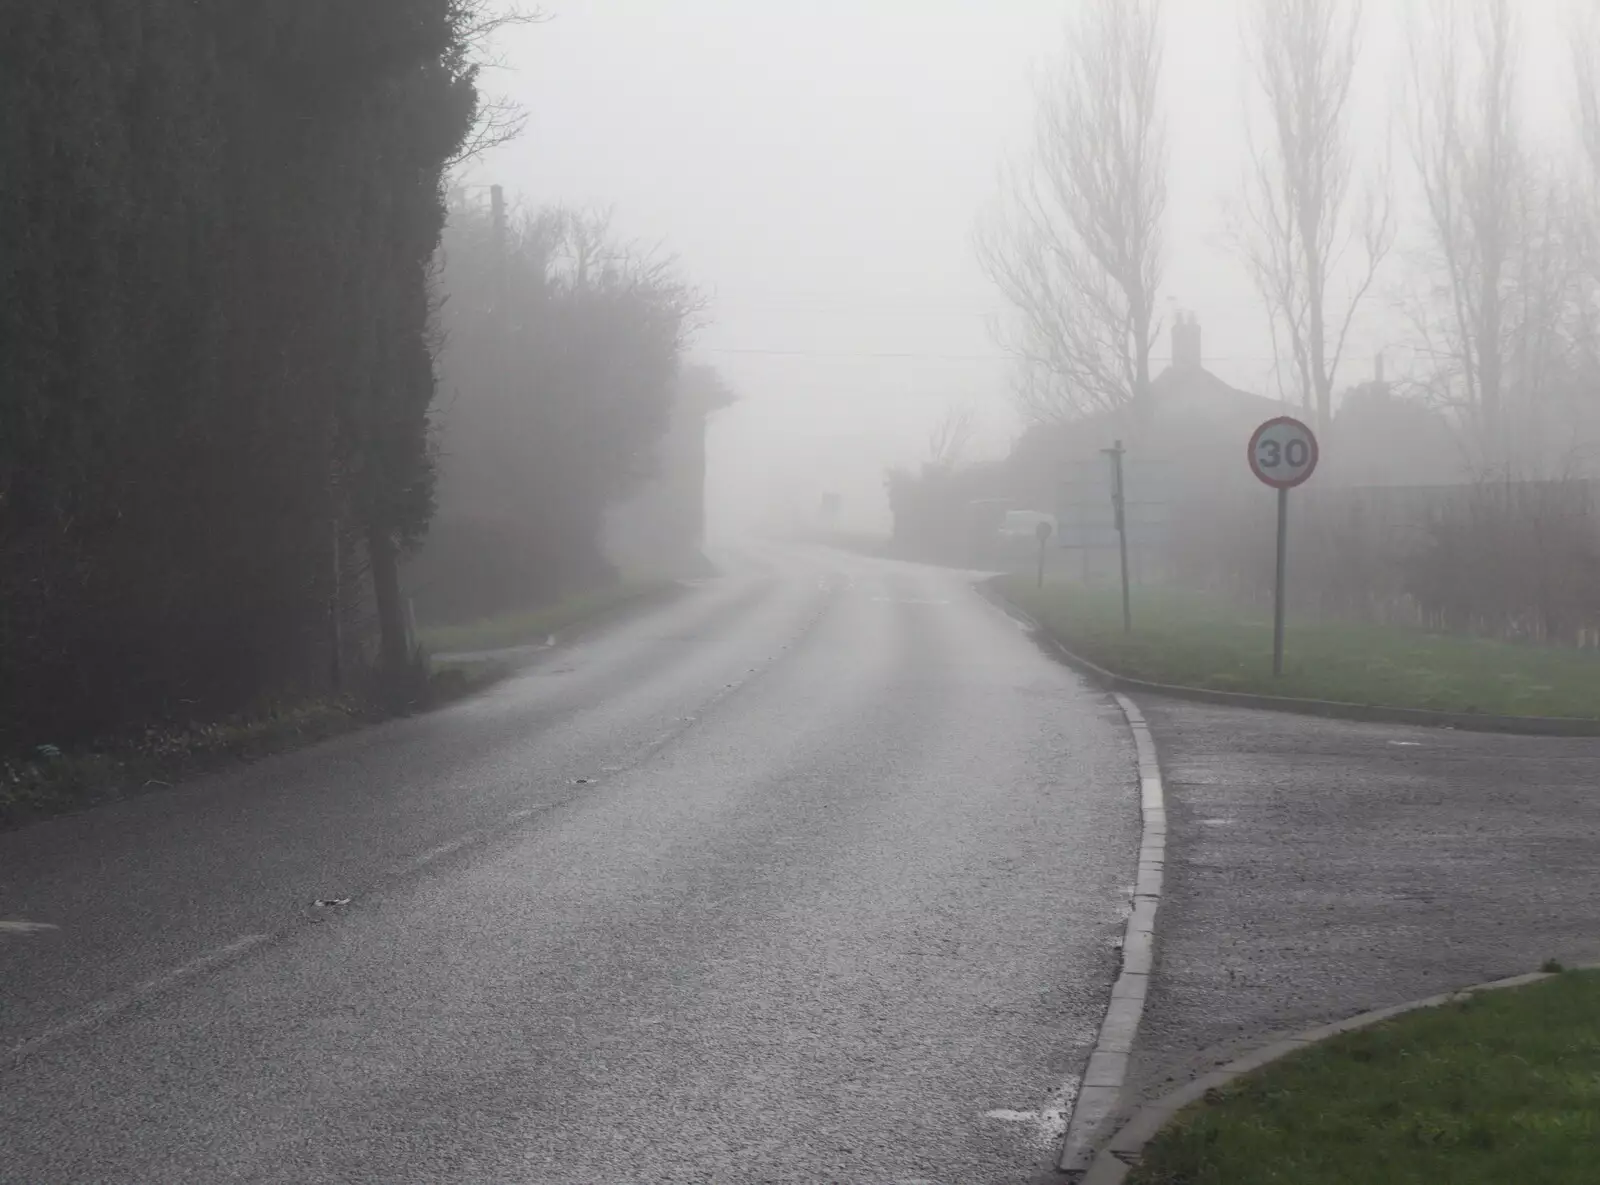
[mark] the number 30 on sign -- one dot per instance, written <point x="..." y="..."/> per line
<point x="1283" y="453"/>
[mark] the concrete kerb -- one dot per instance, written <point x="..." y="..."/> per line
<point x="1100" y="1092"/>
<point x="1117" y="1156"/>
<point x="1553" y="726"/>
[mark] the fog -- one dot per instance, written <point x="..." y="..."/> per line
<point x="819" y="172"/>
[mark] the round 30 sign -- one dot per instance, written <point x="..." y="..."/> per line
<point x="1283" y="453"/>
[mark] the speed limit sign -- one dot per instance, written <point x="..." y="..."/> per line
<point x="1283" y="452"/>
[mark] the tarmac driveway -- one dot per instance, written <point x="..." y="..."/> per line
<point x="1318" y="868"/>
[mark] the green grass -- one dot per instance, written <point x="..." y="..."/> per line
<point x="38" y="784"/>
<point x="46" y="783"/>
<point x="534" y="625"/>
<point x="1193" y="641"/>
<point x="1504" y="1087"/>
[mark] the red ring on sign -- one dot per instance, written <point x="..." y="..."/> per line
<point x="1279" y="483"/>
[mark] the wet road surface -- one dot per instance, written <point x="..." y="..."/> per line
<point x="1320" y="868"/>
<point x="811" y="876"/>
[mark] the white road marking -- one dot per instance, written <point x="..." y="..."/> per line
<point x="26" y="927"/>
<point x="444" y="849"/>
<point x="1005" y="1116"/>
<point x="104" y="1009"/>
<point x="1049" y="1122"/>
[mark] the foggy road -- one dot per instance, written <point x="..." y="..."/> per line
<point x="813" y="875"/>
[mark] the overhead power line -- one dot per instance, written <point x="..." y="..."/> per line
<point x="933" y="357"/>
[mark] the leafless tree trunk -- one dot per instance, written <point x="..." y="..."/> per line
<point x="1586" y="77"/>
<point x="1075" y="245"/>
<point x="950" y="437"/>
<point x="1545" y="313"/>
<point x="1586" y="73"/>
<point x="1299" y="229"/>
<point x="1465" y="142"/>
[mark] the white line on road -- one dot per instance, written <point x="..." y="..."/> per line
<point x="20" y="927"/>
<point x="419" y="862"/>
<point x="103" y="1010"/>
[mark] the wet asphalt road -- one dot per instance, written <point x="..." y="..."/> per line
<point x="1320" y="868"/>
<point x="797" y="879"/>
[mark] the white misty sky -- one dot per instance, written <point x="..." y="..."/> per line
<point x="818" y="168"/>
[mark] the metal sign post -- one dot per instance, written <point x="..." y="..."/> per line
<point x="1042" y="533"/>
<point x="1119" y="505"/>
<point x="1283" y="453"/>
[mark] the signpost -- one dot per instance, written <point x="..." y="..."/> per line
<point x="1283" y="454"/>
<point x="1042" y="533"/>
<point x="1119" y="506"/>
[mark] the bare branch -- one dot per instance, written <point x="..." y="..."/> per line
<point x="951" y="436"/>
<point x="1585" y="36"/>
<point x="1075" y="245"/>
<point x="1586" y="74"/>
<point x="1466" y="147"/>
<point x="1298" y="230"/>
<point x="477" y="23"/>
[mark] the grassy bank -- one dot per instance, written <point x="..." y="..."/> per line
<point x="46" y="782"/>
<point x="1195" y="641"/>
<point x="1502" y="1087"/>
<point x="49" y="782"/>
<point x="530" y="626"/>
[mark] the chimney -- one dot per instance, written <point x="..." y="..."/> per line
<point x="1186" y="342"/>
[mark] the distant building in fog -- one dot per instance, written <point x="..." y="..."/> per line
<point x="660" y="530"/>
<point x="1195" y="428"/>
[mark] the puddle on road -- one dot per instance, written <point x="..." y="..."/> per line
<point x="1216" y="822"/>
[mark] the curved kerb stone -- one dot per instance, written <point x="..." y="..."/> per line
<point x="1116" y="1157"/>
<point x="1100" y="1092"/>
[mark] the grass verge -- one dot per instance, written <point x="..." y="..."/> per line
<point x="50" y="782"/>
<point x="507" y="630"/>
<point x="47" y="782"/>
<point x="1504" y="1086"/>
<point x="1194" y="641"/>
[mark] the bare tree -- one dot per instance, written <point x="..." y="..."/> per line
<point x="1300" y="226"/>
<point x="950" y="437"/>
<point x="1585" y="37"/>
<point x="478" y="22"/>
<point x="1075" y="245"/>
<point x="1586" y="74"/>
<point x="1466" y="146"/>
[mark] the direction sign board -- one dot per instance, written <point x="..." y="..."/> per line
<point x="1283" y="453"/>
<point x="1086" y="515"/>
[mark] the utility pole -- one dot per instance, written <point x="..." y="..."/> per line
<point x="336" y="604"/>
<point x="1119" y="504"/>
<point x="502" y="295"/>
<point x="497" y="208"/>
<point x="1280" y="595"/>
